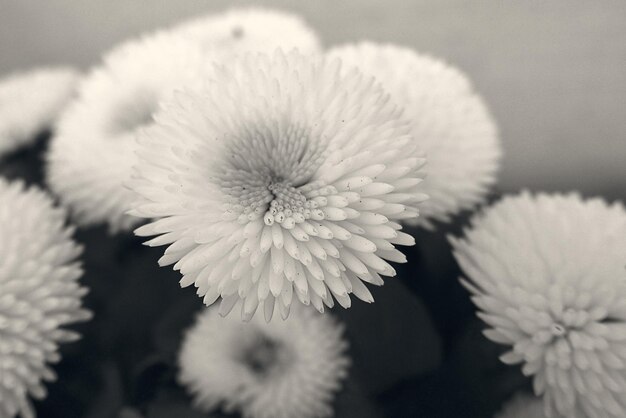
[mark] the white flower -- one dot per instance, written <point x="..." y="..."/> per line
<point x="39" y="294"/>
<point x="547" y="273"/>
<point x="522" y="406"/>
<point x="30" y="102"/>
<point x="249" y="30"/>
<point x="284" y="369"/>
<point x="281" y="176"/>
<point x="93" y="152"/>
<point x="450" y="122"/>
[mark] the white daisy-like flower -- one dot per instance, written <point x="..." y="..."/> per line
<point x="281" y="176"/>
<point x="30" y="101"/>
<point x="284" y="369"/>
<point x="93" y="151"/>
<point x="39" y="294"/>
<point x="522" y="406"/>
<point x="450" y="122"/>
<point x="547" y="273"/>
<point x="251" y="30"/>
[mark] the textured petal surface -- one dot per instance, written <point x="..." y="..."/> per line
<point x="251" y="29"/>
<point x="449" y="121"/>
<point x="547" y="274"/>
<point x="30" y="101"/>
<point x="39" y="294"/>
<point x="284" y="369"/>
<point x="92" y="154"/>
<point x="279" y="180"/>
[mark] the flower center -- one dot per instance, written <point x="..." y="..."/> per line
<point x="263" y="355"/>
<point x="289" y="206"/>
<point x="558" y="330"/>
<point x="280" y="202"/>
<point x="237" y="32"/>
<point x="268" y="174"/>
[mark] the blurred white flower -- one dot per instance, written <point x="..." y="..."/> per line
<point x="450" y="122"/>
<point x="547" y="273"/>
<point x="251" y="30"/>
<point x="522" y="406"/>
<point x="39" y="294"/>
<point x="284" y="369"/>
<point x="93" y="152"/>
<point x="280" y="177"/>
<point x="30" y="102"/>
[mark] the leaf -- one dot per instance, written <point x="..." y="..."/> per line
<point x="391" y="339"/>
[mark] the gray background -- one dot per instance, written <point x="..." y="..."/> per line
<point x="553" y="71"/>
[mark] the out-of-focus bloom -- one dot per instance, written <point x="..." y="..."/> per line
<point x="93" y="152"/>
<point x="547" y="273"/>
<point x="39" y="294"/>
<point x="522" y="406"/>
<point x="450" y="122"/>
<point x="281" y="176"/>
<point x="284" y="369"/>
<point x="251" y="30"/>
<point x="30" y="102"/>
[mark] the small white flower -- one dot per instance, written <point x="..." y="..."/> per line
<point x="39" y="294"/>
<point x="30" y="102"/>
<point x="522" y="406"/>
<point x="251" y="30"/>
<point x="93" y="152"/>
<point x="547" y="273"/>
<point x="284" y="369"/>
<point x="281" y="176"/>
<point x="450" y="122"/>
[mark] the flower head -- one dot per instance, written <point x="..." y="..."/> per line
<point x="30" y="102"/>
<point x="250" y="30"/>
<point x="523" y="406"/>
<point x="449" y="121"/>
<point x="287" y="369"/>
<point x="547" y="273"/>
<point x="39" y="293"/>
<point x="93" y="152"/>
<point x="281" y="176"/>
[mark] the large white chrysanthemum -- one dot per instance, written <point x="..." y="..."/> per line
<point x="522" y="406"/>
<point x="547" y="273"/>
<point x="450" y="122"/>
<point x="30" y="102"/>
<point x="251" y="30"/>
<point x="281" y="176"/>
<point x="93" y="152"/>
<point x="284" y="369"/>
<point x="39" y="294"/>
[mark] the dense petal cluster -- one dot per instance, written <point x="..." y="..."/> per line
<point x="282" y="369"/>
<point x="39" y="294"/>
<point x="279" y="177"/>
<point x="522" y="406"/>
<point x="450" y="122"/>
<point x="251" y="30"/>
<point x="547" y="273"/>
<point x="30" y="102"/>
<point x="93" y="152"/>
